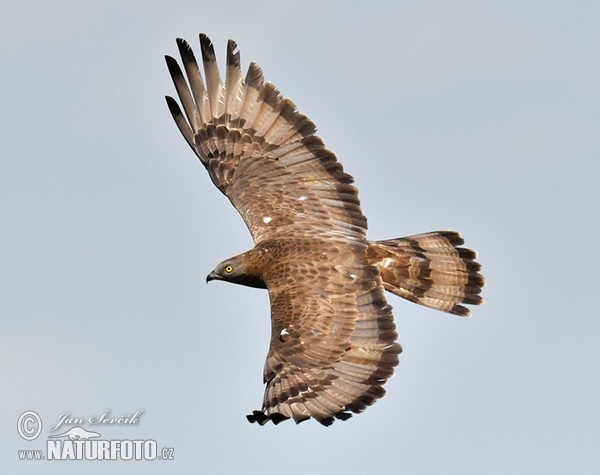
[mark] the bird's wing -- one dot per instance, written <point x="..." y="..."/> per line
<point x="333" y="335"/>
<point x="260" y="151"/>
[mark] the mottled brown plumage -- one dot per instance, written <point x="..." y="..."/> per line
<point x="333" y="338"/>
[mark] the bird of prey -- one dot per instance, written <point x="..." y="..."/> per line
<point x="333" y="337"/>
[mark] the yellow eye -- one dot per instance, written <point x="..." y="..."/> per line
<point x="229" y="269"/>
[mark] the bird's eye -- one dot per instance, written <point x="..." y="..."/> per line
<point x="229" y="269"/>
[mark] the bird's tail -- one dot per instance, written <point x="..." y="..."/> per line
<point x="430" y="269"/>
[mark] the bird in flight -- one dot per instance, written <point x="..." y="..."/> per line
<point x="333" y="337"/>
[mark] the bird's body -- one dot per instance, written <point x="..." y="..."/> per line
<point x="333" y="339"/>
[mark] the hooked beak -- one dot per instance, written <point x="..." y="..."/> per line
<point x="211" y="276"/>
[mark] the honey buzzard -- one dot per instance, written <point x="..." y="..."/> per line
<point x="333" y="338"/>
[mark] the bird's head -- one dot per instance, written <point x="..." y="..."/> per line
<point x="238" y="271"/>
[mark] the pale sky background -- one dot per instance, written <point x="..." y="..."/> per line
<point x="477" y="116"/>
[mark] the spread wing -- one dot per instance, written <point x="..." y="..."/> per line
<point x="260" y="151"/>
<point x="333" y="337"/>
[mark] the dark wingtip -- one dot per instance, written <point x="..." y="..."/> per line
<point x="173" y="106"/>
<point x="174" y="69"/>
<point x="172" y="64"/>
<point x="277" y="418"/>
<point x="206" y="46"/>
<point x="233" y="56"/>
<point x="261" y="418"/>
<point x="326" y="421"/>
<point x="185" y="50"/>
<point x="258" y="417"/>
<point x="343" y="416"/>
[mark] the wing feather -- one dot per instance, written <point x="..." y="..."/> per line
<point x="214" y="86"/>
<point x="180" y="121"/>
<point x="196" y="83"/>
<point x="234" y="83"/>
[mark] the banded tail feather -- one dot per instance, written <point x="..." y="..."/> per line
<point x="430" y="269"/>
